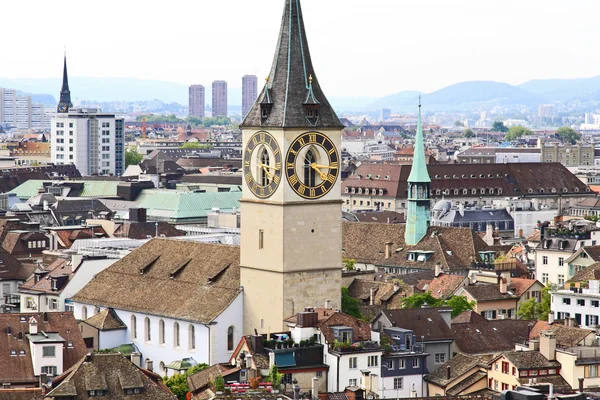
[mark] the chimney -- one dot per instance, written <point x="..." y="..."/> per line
<point x="136" y="358"/>
<point x="521" y="233"/>
<point x="388" y="249"/>
<point x="534" y="345"/>
<point x="327" y="304"/>
<point x="371" y="296"/>
<point x="438" y="269"/>
<point x="315" y="388"/>
<point x="489" y="235"/>
<point x="33" y="328"/>
<point x="473" y="278"/>
<point x="548" y="345"/>
<point x="580" y="385"/>
<point x="448" y="372"/>
<point x="271" y="359"/>
<point x="461" y="209"/>
<point x="257" y="343"/>
<point x="551" y="317"/>
<point x="149" y="365"/>
<point x="503" y="286"/>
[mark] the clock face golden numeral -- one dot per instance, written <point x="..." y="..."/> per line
<point x="312" y="165"/>
<point x="262" y="165"/>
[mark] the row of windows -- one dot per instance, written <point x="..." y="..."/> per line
<point x="401" y="363"/>
<point x="367" y="191"/>
<point x="368" y="203"/>
<point x="36" y="244"/>
<point x="581" y="302"/>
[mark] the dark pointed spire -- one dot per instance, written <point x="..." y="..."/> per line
<point x="295" y="101"/>
<point x="65" y="94"/>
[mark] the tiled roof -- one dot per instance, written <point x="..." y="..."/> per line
<point x="113" y="373"/>
<point x="488" y="292"/>
<point x="467" y="317"/>
<point x="593" y="252"/>
<point x="200" y="379"/>
<point x="19" y="369"/>
<point x="559" y="383"/>
<point x="141" y="230"/>
<point x="172" y="278"/>
<point x="565" y="335"/>
<point x="454" y="248"/>
<point x="327" y="317"/>
<point x="391" y="217"/>
<point x="444" y="285"/>
<point x="91" y="188"/>
<point x="426" y="322"/>
<point x="524" y="360"/>
<point x="520" y="285"/>
<point x="467" y="383"/>
<point x="58" y="269"/>
<point x="106" y="320"/>
<point x="383" y="292"/>
<point x="13" y="269"/>
<point x="459" y="365"/>
<point x="591" y="272"/>
<point x="489" y="337"/>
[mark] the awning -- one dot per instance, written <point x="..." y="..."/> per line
<point x="285" y="360"/>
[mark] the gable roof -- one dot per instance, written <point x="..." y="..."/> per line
<point x="113" y="373"/>
<point x="201" y="379"/>
<point x="521" y="285"/>
<point x="60" y="269"/>
<point x="141" y="230"/>
<point x="467" y="317"/>
<point x="106" y="320"/>
<point x="13" y="269"/>
<point x="443" y="286"/>
<point x="589" y="273"/>
<point x="565" y="335"/>
<point x="454" y="248"/>
<point x="487" y="292"/>
<point x="426" y="322"/>
<point x="19" y="369"/>
<point x="490" y="337"/>
<point x="525" y="360"/>
<point x="173" y="278"/>
<point x="459" y="365"/>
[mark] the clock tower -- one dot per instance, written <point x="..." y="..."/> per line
<point x="291" y="229"/>
<point x="65" y="94"/>
<point x="418" y="215"/>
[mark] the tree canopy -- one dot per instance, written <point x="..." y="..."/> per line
<point x="531" y="309"/>
<point x="178" y="382"/>
<point x="468" y="133"/>
<point x="516" y="132"/>
<point x="567" y="134"/>
<point x="498" y="126"/>
<point x="459" y="304"/>
<point x="350" y="305"/>
<point x="195" y="145"/>
<point x="132" y="157"/>
<point x="458" y="124"/>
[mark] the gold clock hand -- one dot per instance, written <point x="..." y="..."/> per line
<point x="322" y="174"/>
<point x="322" y="166"/>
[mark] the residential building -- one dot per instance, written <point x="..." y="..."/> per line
<point x="303" y="270"/>
<point x="37" y="347"/>
<point x="19" y="112"/>
<point x="219" y="98"/>
<point x="546" y="110"/>
<point x="586" y="256"/>
<point x="492" y="301"/>
<point x="182" y="299"/>
<point x="462" y="375"/>
<point x="430" y="326"/>
<point x="582" y="304"/>
<point x="90" y="139"/>
<point x="103" y="331"/>
<point x="499" y="219"/>
<point x="499" y="155"/>
<point x="384" y="114"/>
<point x="515" y="368"/>
<point x="589" y="273"/>
<point x="111" y="376"/>
<point x="543" y="185"/>
<point x="557" y="245"/>
<point x="196" y="101"/>
<point x="249" y="93"/>
<point x="13" y="273"/>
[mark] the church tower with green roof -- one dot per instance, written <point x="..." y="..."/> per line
<point x="418" y="215"/>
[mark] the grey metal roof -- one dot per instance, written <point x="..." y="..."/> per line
<point x="289" y="86"/>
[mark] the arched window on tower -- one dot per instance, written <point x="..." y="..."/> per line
<point x="264" y="172"/>
<point x="230" y="338"/>
<point x="310" y="175"/>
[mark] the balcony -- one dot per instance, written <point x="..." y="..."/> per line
<point x="356" y="347"/>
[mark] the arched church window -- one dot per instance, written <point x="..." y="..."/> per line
<point x="310" y="175"/>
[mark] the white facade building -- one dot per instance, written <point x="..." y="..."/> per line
<point x="584" y="307"/>
<point x="19" y="111"/>
<point x="90" y="139"/>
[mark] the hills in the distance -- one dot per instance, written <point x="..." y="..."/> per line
<point x="472" y="95"/>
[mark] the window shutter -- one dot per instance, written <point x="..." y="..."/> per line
<point x="586" y="371"/>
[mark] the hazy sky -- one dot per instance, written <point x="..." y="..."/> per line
<point x="359" y="47"/>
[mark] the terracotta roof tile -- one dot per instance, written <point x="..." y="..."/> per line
<point x="459" y="365"/>
<point x="106" y="320"/>
<point x="591" y="272"/>
<point x="565" y="335"/>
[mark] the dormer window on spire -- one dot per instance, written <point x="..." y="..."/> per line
<point x="266" y="103"/>
<point x="311" y="104"/>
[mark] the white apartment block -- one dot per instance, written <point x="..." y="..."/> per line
<point x="19" y="111"/>
<point x="90" y="139"/>
<point x="584" y="307"/>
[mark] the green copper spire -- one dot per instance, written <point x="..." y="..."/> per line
<point x="418" y="172"/>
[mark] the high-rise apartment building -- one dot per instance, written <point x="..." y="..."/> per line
<point x="90" y="139"/>
<point x="196" y="101"/>
<point x="219" y="98"/>
<point x="19" y="111"/>
<point x="249" y="93"/>
<point x="546" y="110"/>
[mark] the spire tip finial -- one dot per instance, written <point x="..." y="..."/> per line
<point x="310" y="78"/>
<point x="419" y="101"/>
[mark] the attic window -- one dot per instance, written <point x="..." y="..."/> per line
<point x="133" y="391"/>
<point x="346" y="190"/>
<point x="13" y="353"/>
<point x="21" y="353"/>
<point x="381" y="192"/>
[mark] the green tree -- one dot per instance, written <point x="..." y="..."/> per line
<point x="418" y="299"/>
<point x="498" y="126"/>
<point x="544" y="306"/>
<point x="468" y="133"/>
<point x="567" y="134"/>
<point x="348" y="263"/>
<point x="516" y="132"/>
<point x="275" y="377"/>
<point x="529" y="309"/>
<point x="195" y="369"/>
<point x="193" y="120"/>
<point x="132" y="157"/>
<point x="350" y="305"/>
<point x="178" y="385"/>
<point x="459" y="305"/>
<point x="458" y="124"/>
<point x="195" y="145"/>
